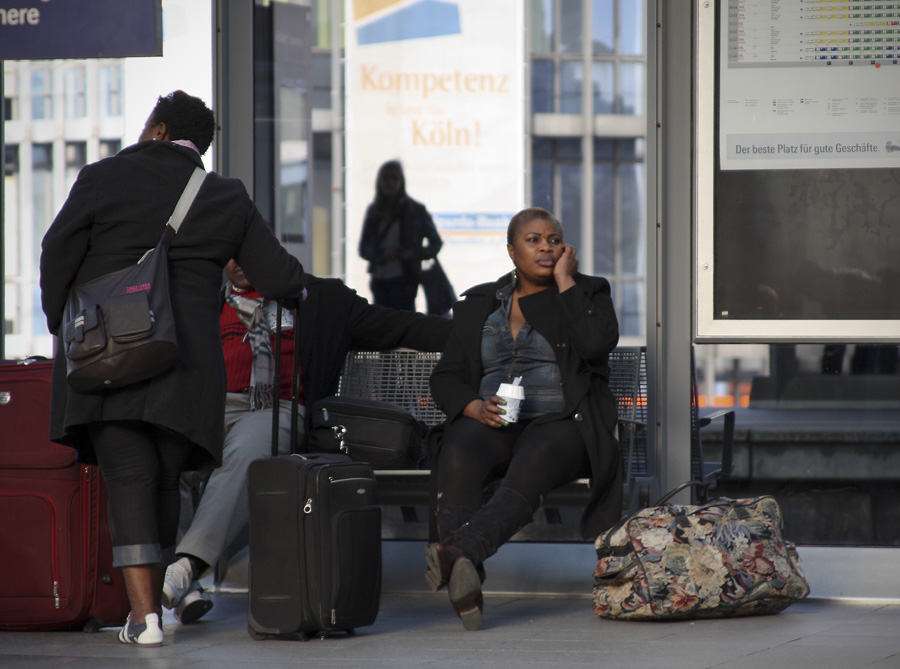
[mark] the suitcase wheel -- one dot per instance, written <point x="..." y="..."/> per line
<point x="91" y="626"/>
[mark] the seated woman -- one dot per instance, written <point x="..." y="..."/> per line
<point x="555" y="328"/>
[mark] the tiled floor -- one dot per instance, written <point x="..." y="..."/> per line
<point x="421" y="631"/>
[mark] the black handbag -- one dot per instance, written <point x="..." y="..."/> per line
<point x="383" y="434"/>
<point x="119" y="328"/>
<point x="439" y="294"/>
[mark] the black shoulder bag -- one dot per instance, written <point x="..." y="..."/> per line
<point x="119" y="328"/>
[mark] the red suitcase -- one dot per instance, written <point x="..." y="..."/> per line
<point x="55" y="549"/>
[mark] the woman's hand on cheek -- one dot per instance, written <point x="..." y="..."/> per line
<point x="490" y="412"/>
<point x="565" y="268"/>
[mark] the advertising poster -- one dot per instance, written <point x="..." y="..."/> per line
<point x="438" y="85"/>
<point x="809" y="84"/>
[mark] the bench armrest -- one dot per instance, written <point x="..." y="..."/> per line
<point x="727" y="415"/>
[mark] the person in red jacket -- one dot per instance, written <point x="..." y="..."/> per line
<point x="332" y="320"/>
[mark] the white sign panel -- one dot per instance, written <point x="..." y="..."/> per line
<point x="809" y="85"/>
<point x="438" y="85"/>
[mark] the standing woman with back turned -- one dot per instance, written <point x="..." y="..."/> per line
<point x="555" y="328"/>
<point x="392" y="239"/>
<point x="145" y="434"/>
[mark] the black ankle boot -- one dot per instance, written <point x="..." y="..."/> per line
<point x="505" y="514"/>
<point x="493" y="525"/>
<point x="449" y="517"/>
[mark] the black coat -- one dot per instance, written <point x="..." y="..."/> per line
<point x="334" y="320"/>
<point x="116" y="210"/>
<point x="580" y="324"/>
<point x="415" y="227"/>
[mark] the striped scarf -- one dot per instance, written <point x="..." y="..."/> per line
<point x="253" y="315"/>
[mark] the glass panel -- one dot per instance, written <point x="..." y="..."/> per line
<point x="541" y="86"/>
<point x="629" y="308"/>
<point x="76" y="103"/>
<point x="109" y="90"/>
<point x="632" y="88"/>
<point x="41" y="95"/>
<point x="632" y="149"/>
<point x="569" y="209"/>
<point x="570" y="24"/>
<point x="541" y="26"/>
<point x="321" y="81"/>
<point x="41" y="202"/>
<point x="76" y="158"/>
<point x="541" y="148"/>
<point x="10" y="95"/>
<point x="602" y="85"/>
<point x="631" y="27"/>
<point x="569" y="149"/>
<point x="10" y="160"/>
<point x="631" y="178"/>
<point x="110" y="147"/>
<point x="571" y="74"/>
<point x="603" y="26"/>
<point x="604" y="149"/>
<point x="321" y="20"/>
<point x="604" y="219"/>
<point x="542" y="185"/>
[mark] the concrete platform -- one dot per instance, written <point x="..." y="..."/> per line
<point x="422" y="631"/>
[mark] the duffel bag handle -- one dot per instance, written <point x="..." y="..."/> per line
<point x="605" y="549"/>
<point x="677" y="489"/>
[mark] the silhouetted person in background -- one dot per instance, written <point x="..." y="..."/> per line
<point x="393" y="236"/>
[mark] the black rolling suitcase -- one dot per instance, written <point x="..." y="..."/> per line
<point x="315" y="539"/>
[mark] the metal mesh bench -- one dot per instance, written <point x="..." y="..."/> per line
<point x="402" y="376"/>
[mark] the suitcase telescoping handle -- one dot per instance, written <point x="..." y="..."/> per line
<point x="276" y="381"/>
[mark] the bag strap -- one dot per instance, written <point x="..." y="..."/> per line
<point x="186" y="200"/>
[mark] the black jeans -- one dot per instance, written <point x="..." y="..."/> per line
<point x="142" y="464"/>
<point x="532" y="460"/>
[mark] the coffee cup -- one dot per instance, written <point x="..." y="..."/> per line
<point x="513" y="393"/>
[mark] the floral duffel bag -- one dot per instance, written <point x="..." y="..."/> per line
<point x="724" y="558"/>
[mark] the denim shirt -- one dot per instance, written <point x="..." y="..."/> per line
<point x="529" y="356"/>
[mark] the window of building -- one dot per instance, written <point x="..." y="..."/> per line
<point x="76" y="158"/>
<point x="110" y="147"/>
<point x="76" y="92"/>
<point x="617" y="51"/>
<point x="109" y="90"/>
<point x="10" y="160"/>
<point x="10" y="95"/>
<point x="41" y="94"/>
<point x="606" y="201"/>
<point x="42" y="213"/>
<point x="619" y="194"/>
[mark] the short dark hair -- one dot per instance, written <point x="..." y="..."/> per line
<point x="530" y="214"/>
<point x="186" y="117"/>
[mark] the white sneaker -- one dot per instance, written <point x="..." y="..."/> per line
<point x="148" y="633"/>
<point x="179" y="577"/>
<point x="193" y="606"/>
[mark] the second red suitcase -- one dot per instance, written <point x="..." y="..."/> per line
<point x="56" y="561"/>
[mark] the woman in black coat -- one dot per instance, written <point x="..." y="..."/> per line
<point x="555" y="328"/>
<point x="394" y="230"/>
<point x="144" y="435"/>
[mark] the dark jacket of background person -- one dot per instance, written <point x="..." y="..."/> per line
<point x="117" y="209"/>
<point x="333" y="320"/>
<point x="580" y="324"/>
<point x="415" y="227"/>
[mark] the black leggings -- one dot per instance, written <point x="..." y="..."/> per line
<point x="142" y="464"/>
<point x="532" y="460"/>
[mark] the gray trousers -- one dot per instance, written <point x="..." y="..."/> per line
<point x="222" y="514"/>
